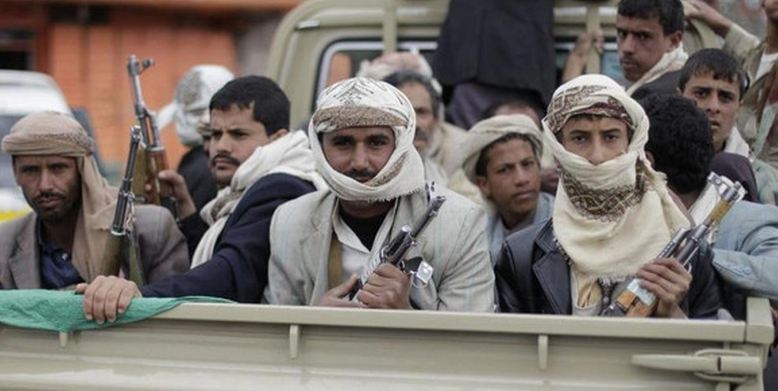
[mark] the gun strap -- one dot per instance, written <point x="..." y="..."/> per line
<point x="335" y="263"/>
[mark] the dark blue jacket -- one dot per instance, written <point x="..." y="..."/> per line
<point x="238" y="268"/>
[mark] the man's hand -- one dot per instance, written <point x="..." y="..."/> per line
<point x="338" y="296"/>
<point x="576" y="62"/>
<point x="185" y="204"/>
<point x="705" y="13"/>
<point x="667" y="279"/>
<point x="388" y="287"/>
<point x="107" y="297"/>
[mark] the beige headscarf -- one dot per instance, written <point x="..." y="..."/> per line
<point x="53" y="133"/>
<point x="362" y="102"/>
<point x="613" y="217"/>
<point x="670" y="62"/>
<point x="492" y="129"/>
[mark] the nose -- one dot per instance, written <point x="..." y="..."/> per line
<point x="220" y="145"/>
<point x="713" y="105"/>
<point x="359" y="159"/>
<point x="521" y="176"/>
<point x="46" y="181"/>
<point x="597" y="153"/>
<point x="627" y="45"/>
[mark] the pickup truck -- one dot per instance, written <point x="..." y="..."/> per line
<point x="248" y="347"/>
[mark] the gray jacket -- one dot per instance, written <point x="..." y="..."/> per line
<point x="163" y="249"/>
<point x="454" y="243"/>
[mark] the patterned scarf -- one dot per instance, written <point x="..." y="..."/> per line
<point x="610" y="218"/>
<point x="362" y="102"/>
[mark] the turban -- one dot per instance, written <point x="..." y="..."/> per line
<point x="484" y="133"/>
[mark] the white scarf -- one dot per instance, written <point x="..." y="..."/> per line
<point x="670" y="62"/>
<point x="362" y="102"/>
<point x="288" y="155"/>
<point x="613" y="217"/>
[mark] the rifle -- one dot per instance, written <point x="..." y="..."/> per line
<point x="154" y="159"/>
<point x="634" y="300"/>
<point x="123" y="213"/>
<point x="394" y="251"/>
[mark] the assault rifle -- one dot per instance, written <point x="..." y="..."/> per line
<point x="395" y="250"/>
<point x="153" y="154"/>
<point x="120" y="231"/>
<point x="636" y="301"/>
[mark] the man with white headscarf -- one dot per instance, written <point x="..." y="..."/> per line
<point x="190" y="111"/>
<point x="63" y="241"/>
<point x="613" y="214"/>
<point x="502" y="158"/>
<point x="362" y="139"/>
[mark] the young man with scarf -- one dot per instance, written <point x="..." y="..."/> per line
<point x="362" y="139"/>
<point x="63" y="241"/>
<point x="745" y="246"/>
<point x="613" y="214"/>
<point x="650" y="45"/>
<point x="502" y="158"/>
<point x="260" y="165"/>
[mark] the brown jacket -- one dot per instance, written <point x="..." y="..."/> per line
<point x="163" y="249"/>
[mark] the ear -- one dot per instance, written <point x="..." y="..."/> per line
<point x="675" y="39"/>
<point x="483" y="185"/>
<point x="278" y="134"/>
<point x="650" y="158"/>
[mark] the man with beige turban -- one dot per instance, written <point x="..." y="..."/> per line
<point x="613" y="214"/>
<point x="63" y="241"/>
<point x="502" y="158"/>
<point x="362" y="140"/>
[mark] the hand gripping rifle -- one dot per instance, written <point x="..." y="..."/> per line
<point x="394" y="252"/>
<point x="120" y="230"/>
<point x="636" y="301"/>
<point x="153" y="154"/>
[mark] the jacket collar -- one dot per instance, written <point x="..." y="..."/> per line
<point x="552" y="271"/>
<point x="24" y="262"/>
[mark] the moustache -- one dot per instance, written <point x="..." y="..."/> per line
<point x="224" y="157"/>
<point x="48" y="195"/>
<point x="360" y="176"/>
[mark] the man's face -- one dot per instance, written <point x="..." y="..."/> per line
<point x="359" y="153"/>
<point x="235" y="136"/>
<point x="720" y="99"/>
<point x="596" y="139"/>
<point x="642" y="43"/>
<point x="51" y="184"/>
<point x="512" y="179"/>
<point x="425" y="116"/>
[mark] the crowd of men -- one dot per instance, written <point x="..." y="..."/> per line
<point x="547" y="210"/>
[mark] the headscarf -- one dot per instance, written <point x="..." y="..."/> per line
<point x="484" y="133"/>
<point x="362" y="102"/>
<point x="53" y="133"/>
<point x="613" y="217"/>
<point x="289" y="154"/>
<point x="194" y="93"/>
<point x="670" y="62"/>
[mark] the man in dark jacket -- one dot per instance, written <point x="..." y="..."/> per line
<point x="612" y="215"/>
<point x="261" y="165"/>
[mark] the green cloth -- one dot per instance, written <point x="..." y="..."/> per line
<point x="64" y="311"/>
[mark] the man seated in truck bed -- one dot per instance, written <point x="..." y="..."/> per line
<point x="612" y="215"/>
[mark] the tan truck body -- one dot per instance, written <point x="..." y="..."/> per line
<point x="248" y="347"/>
